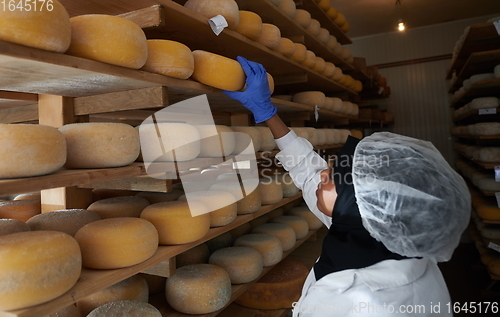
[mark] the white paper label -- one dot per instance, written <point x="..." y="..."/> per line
<point x="497" y="173"/>
<point x="497" y="26"/>
<point x="497" y="195"/>
<point x="316" y="112"/>
<point x="494" y="246"/>
<point x="488" y="111"/>
<point x="218" y="23"/>
<point x="380" y="90"/>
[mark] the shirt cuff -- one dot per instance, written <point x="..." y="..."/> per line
<point x="286" y="140"/>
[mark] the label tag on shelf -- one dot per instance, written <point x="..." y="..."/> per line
<point x="497" y="195"/>
<point x="316" y="112"/>
<point x="497" y="26"/>
<point x="494" y="246"/>
<point x="488" y="111"/>
<point x="497" y="173"/>
<point x="218" y="23"/>
<point x="380" y="90"/>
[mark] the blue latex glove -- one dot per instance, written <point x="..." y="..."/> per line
<point x="257" y="96"/>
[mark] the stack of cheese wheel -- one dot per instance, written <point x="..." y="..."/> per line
<point x="68" y="221"/>
<point x="243" y="264"/>
<point x="36" y="267"/>
<point x="221" y="205"/>
<point x="243" y="141"/>
<point x="216" y="141"/>
<point x="100" y="145"/>
<point x="269" y="247"/>
<point x="20" y="209"/>
<point x="177" y="222"/>
<point x="109" y="39"/>
<point x="218" y="71"/>
<point x="209" y="9"/>
<point x="8" y="226"/>
<point x="43" y="29"/>
<point x="284" y="233"/>
<point x="250" y="25"/>
<point x="169" y="58"/>
<point x="248" y="198"/>
<point x="129" y="308"/>
<point x="298" y="224"/>
<point x="34" y="140"/>
<point x="271" y="190"/>
<point x="270" y="36"/>
<point x="133" y="288"/>
<point x="196" y="255"/>
<point x="221" y="241"/>
<point x="198" y="289"/>
<point x="117" y="242"/>
<point x="312" y="221"/>
<point x="123" y="206"/>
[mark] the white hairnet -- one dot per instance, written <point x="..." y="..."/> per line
<point x="409" y="197"/>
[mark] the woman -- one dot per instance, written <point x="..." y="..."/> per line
<point x="393" y="206"/>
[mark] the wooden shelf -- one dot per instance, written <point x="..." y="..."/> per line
<point x="483" y="88"/>
<point x="480" y="37"/>
<point x="92" y="281"/>
<point x="474" y="116"/>
<point x="479" y="137"/>
<point x="477" y="63"/>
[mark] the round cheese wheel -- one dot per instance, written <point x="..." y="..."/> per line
<point x="271" y="190"/>
<point x="270" y="36"/>
<point x="337" y="50"/>
<point x="288" y="8"/>
<point x="301" y="132"/>
<point x="300" y="54"/>
<point x="344" y="134"/>
<point x="175" y="222"/>
<point x="250" y="202"/>
<point x="345" y="53"/>
<point x="287" y="47"/>
<point x="323" y="35"/>
<point x="181" y="142"/>
<point x="243" y="264"/>
<point x="28" y="196"/>
<point x="346" y="27"/>
<point x="332" y="13"/>
<point x="267" y="139"/>
<point x="289" y="188"/>
<point x="337" y="104"/>
<point x="196" y="255"/>
<point x="328" y="103"/>
<point x="227" y="8"/>
<point x="321" y="136"/>
<point x="109" y="39"/>
<point x="34" y="159"/>
<point x="68" y="221"/>
<point x="313" y="222"/>
<point x="241" y="230"/>
<point x="217" y="71"/>
<point x="269" y="247"/>
<point x="198" y="289"/>
<point x="488" y="211"/>
<point x="8" y="226"/>
<point x="222" y="205"/>
<point x="337" y="75"/>
<point x="497" y="71"/>
<point x="313" y="136"/>
<point x="127" y="308"/>
<point x="20" y="209"/>
<point x="100" y="145"/>
<point x="68" y="311"/>
<point x="298" y="224"/>
<point x="280" y="288"/>
<point x="320" y="65"/>
<point x="133" y="288"/>
<point x="36" y="267"/>
<point x="215" y="141"/>
<point x="124" y="206"/>
<point x="340" y="20"/>
<point x="484" y="103"/>
<point x="241" y="145"/>
<point x="332" y="42"/>
<point x="310" y="59"/>
<point x="154" y="197"/>
<point x="156" y="284"/>
<point x="357" y="134"/>
<point x="329" y="69"/>
<point x="487" y="154"/>
<point x="259" y="221"/>
<point x="284" y="233"/>
<point x="276" y="213"/>
<point x="324" y="5"/>
<point x="491" y="232"/>
<point x="270" y="82"/>
<point x="169" y="58"/>
<point x="314" y="27"/>
<point x="311" y="98"/>
<point x="303" y="18"/>
<point x="486" y="128"/>
<point x="479" y="77"/>
<point x="358" y="86"/>
<point x="488" y="184"/>
<point x="250" y="25"/>
<point x="330" y="136"/>
<point x="43" y="29"/>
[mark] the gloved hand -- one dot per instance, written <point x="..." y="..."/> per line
<point x="256" y="96"/>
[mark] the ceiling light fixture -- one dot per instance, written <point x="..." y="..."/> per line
<point x="401" y="24"/>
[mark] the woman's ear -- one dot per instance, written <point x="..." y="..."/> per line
<point x="326" y="193"/>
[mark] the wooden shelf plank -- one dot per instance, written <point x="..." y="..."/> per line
<point x="483" y="88"/>
<point x="92" y="281"/>
<point x="484" y="165"/>
<point x="325" y="21"/>
<point x="477" y="63"/>
<point x="479" y="137"/>
<point x="113" y="7"/>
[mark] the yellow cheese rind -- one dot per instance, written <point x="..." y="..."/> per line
<point x="124" y="206"/>
<point x="36" y="266"/>
<point x="329" y="69"/>
<point x="298" y="224"/>
<point x="127" y="308"/>
<point x="300" y="53"/>
<point x="288" y="8"/>
<point x="268" y="246"/>
<point x="314" y="27"/>
<point x="221" y="203"/>
<point x="332" y="13"/>
<point x="109" y="39"/>
<point x="267" y="139"/>
<point x="320" y="65"/>
<point x="324" y="5"/>
<point x="169" y="58"/>
<point x="43" y="29"/>
<point x="250" y="25"/>
<point x="311" y="98"/>
<point x="117" y="242"/>
<point x="340" y="20"/>
<point x="68" y="221"/>
<point x="8" y="226"/>
<point x="220" y="144"/>
<point x="303" y="18"/>
<point x="227" y="8"/>
<point x="310" y="59"/>
<point x="284" y="233"/>
<point x="323" y="35"/>
<point x="250" y="203"/>
<point x="20" y="209"/>
<point x="271" y="190"/>
<point x="286" y="47"/>
<point x="270" y="36"/>
<point x="217" y="71"/>
<point x="243" y="264"/>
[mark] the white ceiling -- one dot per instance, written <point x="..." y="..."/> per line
<point x="381" y="16"/>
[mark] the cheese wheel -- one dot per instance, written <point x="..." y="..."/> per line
<point x="313" y="222"/>
<point x="301" y="132"/>
<point x="323" y="35"/>
<point x="269" y="247"/>
<point x="270" y="36"/>
<point x="300" y="54"/>
<point x="276" y="213"/>
<point x="217" y="71"/>
<point x="250" y="25"/>
<point x="271" y="190"/>
<point x="329" y="69"/>
<point x="358" y="86"/>
<point x="287" y="47"/>
<point x="179" y="142"/>
<point x="320" y="65"/>
<point x="222" y="205"/>
<point x="68" y="311"/>
<point x="314" y="27"/>
<point x="311" y="98"/>
<point x="68" y="221"/>
<point x="133" y="288"/>
<point x="36" y="267"/>
<point x="215" y="141"/>
<point x="321" y="136"/>
<point x="284" y="233"/>
<point x="100" y="145"/>
<point x="357" y="134"/>
<point x="491" y="232"/>
<point x="28" y="196"/>
<point x="259" y="221"/>
<point x="346" y="27"/>
<point x="345" y="53"/>
<point x="169" y="58"/>
<point x="198" y="289"/>
<point x="156" y="284"/>
<point x="484" y="103"/>
<point x="267" y="139"/>
<point x="34" y="159"/>
<point x="310" y="59"/>
<point x="337" y="104"/>
<point x="288" y="8"/>
<point x="479" y="77"/>
<point x="280" y="288"/>
<point x="313" y="136"/>
<point x="303" y="18"/>
<point x="196" y="255"/>
<point x="332" y="42"/>
<point x="241" y="145"/>
<point x="330" y="136"/>
<point x="488" y="211"/>
<point x="337" y="50"/>
<point x="497" y="71"/>
<point x="337" y="74"/>
<point x="332" y="13"/>
<point x="43" y="29"/>
<point x="289" y="188"/>
<point x="340" y="19"/>
<point x="344" y="135"/>
<point x="298" y="224"/>
<point x="488" y="184"/>
<point x="249" y="203"/>
<point x="275" y="2"/>
<point x="227" y="8"/>
<point x="486" y="128"/>
<point x="117" y="242"/>
<point x="487" y="154"/>
<point x="175" y="223"/>
<point x="328" y="103"/>
<point x="20" y="209"/>
<point x="241" y="230"/>
<point x="243" y="264"/>
<point x="124" y="206"/>
<point x="154" y="197"/>
<point x="127" y="308"/>
<point x="109" y="39"/>
<point x="8" y="226"/>
<point x="270" y="82"/>
<point x="324" y="5"/>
